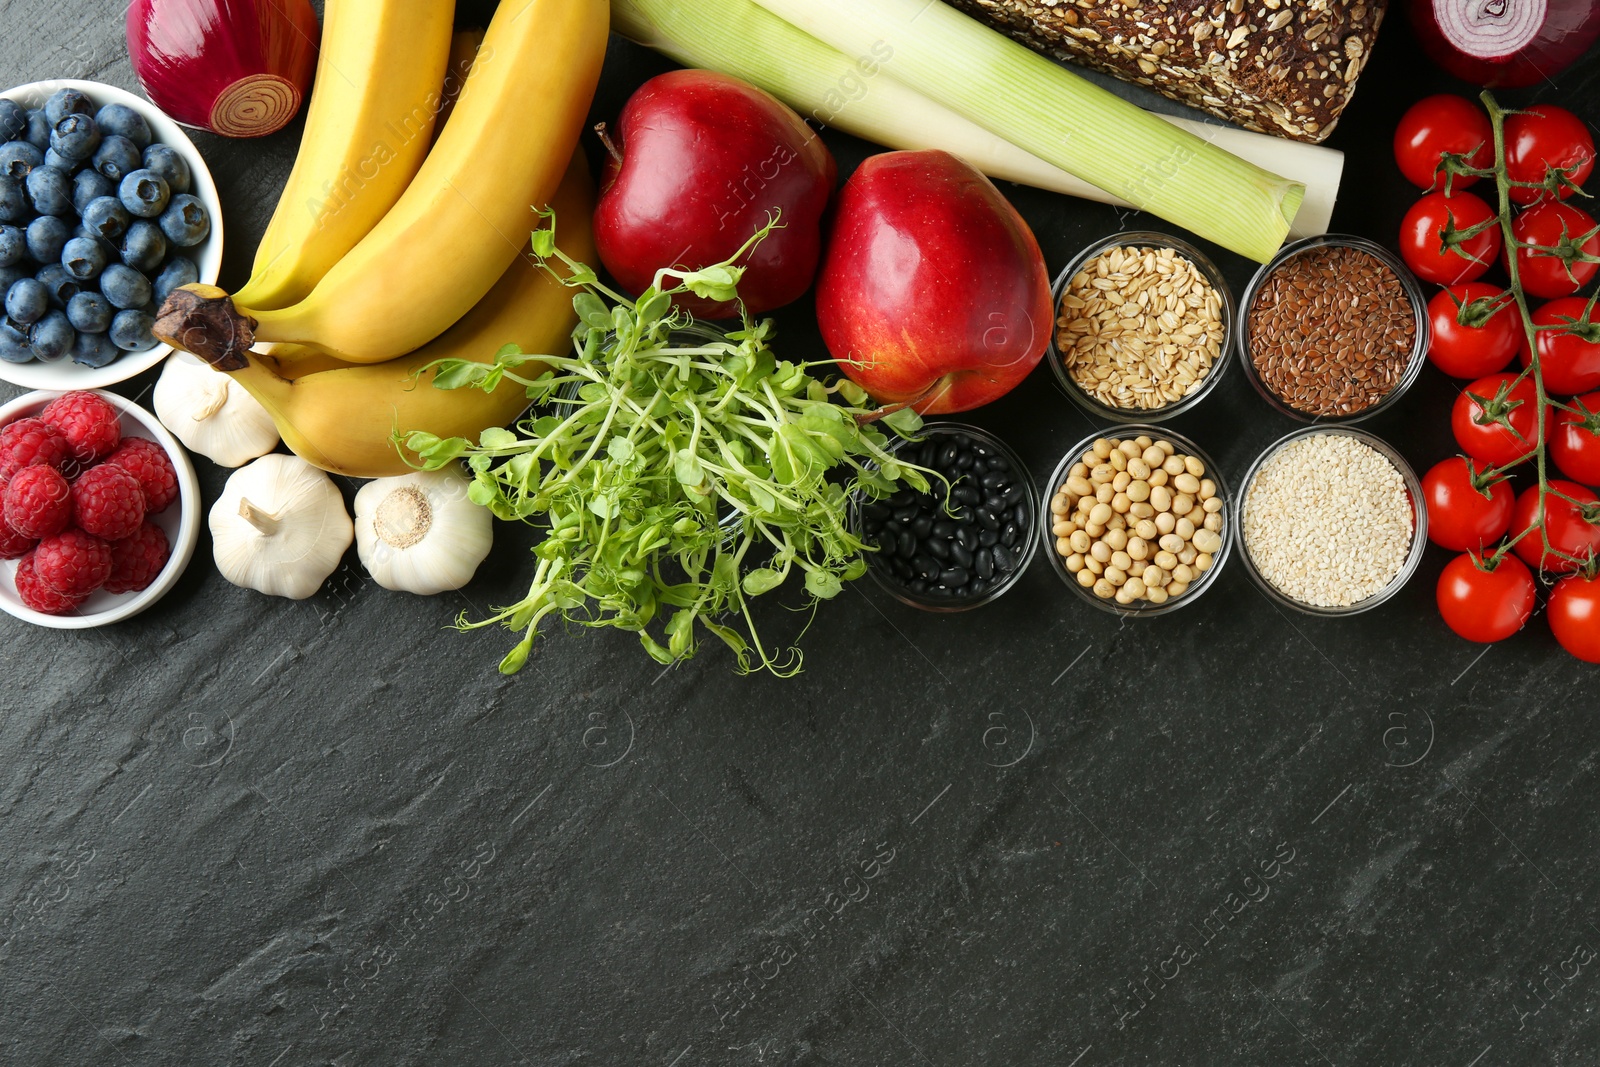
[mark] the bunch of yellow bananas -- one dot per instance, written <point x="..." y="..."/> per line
<point x="396" y="244"/>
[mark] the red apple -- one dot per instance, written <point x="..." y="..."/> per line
<point x="700" y="163"/>
<point x="933" y="291"/>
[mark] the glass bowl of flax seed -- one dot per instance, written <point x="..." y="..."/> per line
<point x="1143" y="325"/>
<point x="1334" y="329"/>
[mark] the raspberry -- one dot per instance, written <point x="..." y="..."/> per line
<point x="137" y="560"/>
<point x="107" y="501"/>
<point x="38" y="596"/>
<point x="73" y="563"/>
<point x="31" y="441"/>
<point x="148" y="462"/>
<point x="12" y="544"/>
<point x="91" y="425"/>
<point x="38" y="502"/>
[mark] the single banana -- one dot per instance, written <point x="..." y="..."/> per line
<point x="464" y="49"/>
<point x="464" y="217"/>
<point x="368" y="127"/>
<point x="342" y="418"/>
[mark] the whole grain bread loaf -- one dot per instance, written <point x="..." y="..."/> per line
<point x="1284" y="67"/>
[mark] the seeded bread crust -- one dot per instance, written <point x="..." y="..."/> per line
<point x="1284" y="67"/>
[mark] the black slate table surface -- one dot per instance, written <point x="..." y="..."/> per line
<point x="248" y="831"/>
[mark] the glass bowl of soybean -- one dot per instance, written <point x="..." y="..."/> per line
<point x="1083" y="462"/>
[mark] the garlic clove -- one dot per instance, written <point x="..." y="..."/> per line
<point x="211" y="414"/>
<point x="280" y="527"/>
<point x="419" y="533"/>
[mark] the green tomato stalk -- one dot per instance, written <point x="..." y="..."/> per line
<point x="1498" y="408"/>
<point x="679" y="470"/>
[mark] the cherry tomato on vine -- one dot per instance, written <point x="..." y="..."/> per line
<point x="1575" y="616"/>
<point x="1481" y="404"/>
<point x="1461" y="516"/>
<point x="1575" y="441"/>
<point x="1483" y="604"/>
<point x="1542" y="137"/>
<point x="1553" y="223"/>
<point x="1436" y="125"/>
<point x="1422" y="238"/>
<point x="1565" y="524"/>
<point x="1569" y="362"/>
<point x="1463" y="351"/>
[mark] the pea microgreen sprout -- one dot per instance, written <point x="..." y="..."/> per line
<point x="678" y="469"/>
<point x="1570" y="251"/>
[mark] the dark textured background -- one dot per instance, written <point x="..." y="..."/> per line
<point x="240" y="830"/>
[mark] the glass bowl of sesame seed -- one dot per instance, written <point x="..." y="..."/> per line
<point x="1135" y="520"/>
<point x="1331" y="521"/>
<point x="1333" y="329"/>
<point x="1143" y="325"/>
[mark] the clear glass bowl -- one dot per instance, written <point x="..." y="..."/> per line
<point x="1419" y="311"/>
<point x="1141" y="609"/>
<point x="1094" y="408"/>
<point x="891" y="584"/>
<point x="1419" y="524"/>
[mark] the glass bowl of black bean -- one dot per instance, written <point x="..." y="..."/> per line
<point x="955" y="554"/>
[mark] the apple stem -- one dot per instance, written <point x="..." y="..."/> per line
<point x="605" y="139"/>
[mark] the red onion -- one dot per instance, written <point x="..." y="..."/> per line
<point x="235" y="67"/>
<point x="1505" y="43"/>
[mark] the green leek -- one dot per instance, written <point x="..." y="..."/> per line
<point x="1060" y="117"/>
<point x="743" y="39"/>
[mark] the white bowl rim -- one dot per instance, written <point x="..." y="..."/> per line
<point x="125" y="605"/>
<point x="64" y="374"/>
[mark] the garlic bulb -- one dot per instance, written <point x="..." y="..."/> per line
<point x="211" y="414"/>
<point x="419" y="533"/>
<point x="279" y="527"/>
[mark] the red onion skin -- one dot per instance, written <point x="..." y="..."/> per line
<point x="1569" y="28"/>
<point x="188" y="54"/>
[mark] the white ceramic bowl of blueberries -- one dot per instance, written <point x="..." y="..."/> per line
<point x="119" y="206"/>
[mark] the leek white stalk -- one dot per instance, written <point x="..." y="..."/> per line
<point x="859" y="97"/>
<point x="1059" y="117"/>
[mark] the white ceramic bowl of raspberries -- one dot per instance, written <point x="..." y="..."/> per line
<point x="99" y="509"/>
<point x="62" y="371"/>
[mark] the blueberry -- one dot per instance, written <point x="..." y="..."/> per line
<point x="55" y="159"/>
<point x="38" y="133"/>
<point x="90" y="313"/>
<point x="176" y="274"/>
<point x="14" y="346"/>
<point x="13" y="246"/>
<point x="85" y="257"/>
<point x="53" y="337"/>
<point x="62" y="286"/>
<point x="10" y="276"/>
<point x="13" y="120"/>
<point x="14" y="205"/>
<point x="89" y="186"/>
<point x="144" y="246"/>
<point x="17" y="158"/>
<point x="50" y="191"/>
<point x="117" y="157"/>
<point x="27" y="301"/>
<point x="76" y="137"/>
<point x="94" y="350"/>
<point x="125" y="287"/>
<point x="106" y="217"/>
<point x="185" y="222"/>
<point x="130" y="331"/>
<point x="144" y="193"/>
<point x="170" y="165"/>
<point x="123" y="121"/>
<point x="47" y="236"/>
<point x="64" y="102"/>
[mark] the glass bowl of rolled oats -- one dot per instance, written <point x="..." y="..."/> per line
<point x="1143" y="326"/>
